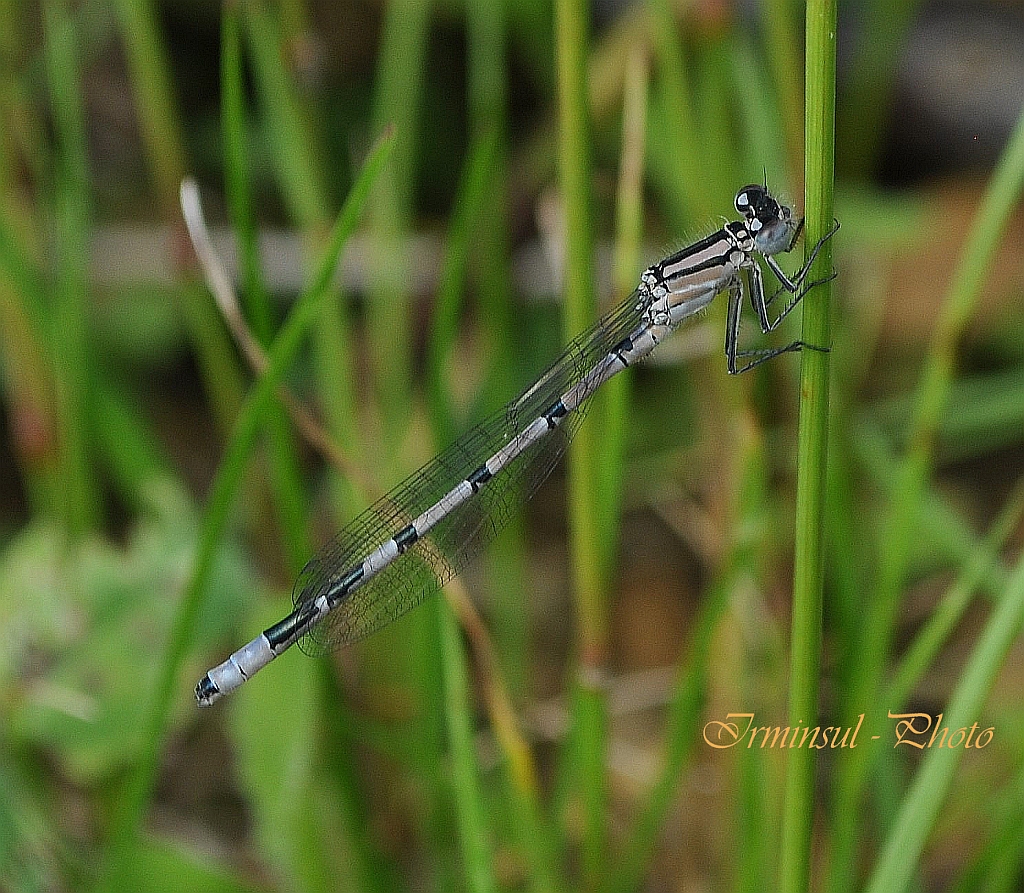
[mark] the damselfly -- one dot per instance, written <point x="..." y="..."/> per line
<point x="417" y="537"/>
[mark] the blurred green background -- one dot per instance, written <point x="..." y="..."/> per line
<point x="420" y="202"/>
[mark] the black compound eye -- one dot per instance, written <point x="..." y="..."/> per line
<point x="749" y="199"/>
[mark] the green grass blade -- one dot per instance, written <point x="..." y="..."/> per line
<point x="897" y="863"/>
<point x="812" y="448"/>
<point x="28" y="392"/>
<point x="936" y="631"/>
<point x="884" y="28"/>
<point x="298" y="158"/>
<point x="398" y="94"/>
<point x="898" y="527"/>
<point x="466" y="217"/>
<point x="222" y="491"/>
<point x="295" y="145"/>
<point x="283" y="468"/>
<point x="163" y="141"/>
<point x="589" y="710"/>
<point x="486" y="25"/>
<point x="470" y="816"/>
<point x="474" y="832"/>
<point x="626" y="266"/>
<point x="159" y="120"/>
<point x="679" y="118"/>
<point x="69" y="335"/>
<point x="135" y="457"/>
<point x="783" y="46"/>
<point x="238" y="185"/>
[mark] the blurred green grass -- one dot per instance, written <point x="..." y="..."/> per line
<point x="158" y="499"/>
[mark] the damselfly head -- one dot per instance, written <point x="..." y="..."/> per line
<point x="769" y="221"/>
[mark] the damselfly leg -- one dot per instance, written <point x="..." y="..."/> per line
<point x="795" y="286"/>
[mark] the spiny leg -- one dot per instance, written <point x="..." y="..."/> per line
<point x="757" y="301"/>
<point x="792" y="285"/>
<point x="732" y="325"/>
<point x="732" y="331"/>
<point x="794" y="300"/>
<point x="761" y="305"/>
<point x="763" y="355"/>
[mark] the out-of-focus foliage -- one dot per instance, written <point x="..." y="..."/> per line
<point x="156" y="502"/>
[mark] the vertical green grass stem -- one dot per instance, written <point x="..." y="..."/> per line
<point x="159" y="120"/>
<point x="282" y="467"/>
<point x="299" y="161"/>
<point x="487" y="89"/>
<point x="470" y="817"/>
<point x="575" y="174"/>
<point x="626" y="267"/>
<point x="164" y="143"/>
<point x="812" y="447"/>
<point x="868" y="95"/>
<point x="28" y="376"/>
<point x="68" y="335"/>
<point x="782" y="43"/>
<point x="464" y="221"/>
<point x="389" y="315"/>
<point x="589" y="711"/>
<point x="295" y="142"/>
<point x="680" y="118"/>
<point x="397" y="100"/>
<point x="474" y="836"/>
<point x="469" y="212"/>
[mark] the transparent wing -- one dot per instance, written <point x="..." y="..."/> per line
<point x="452" y="542"/>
